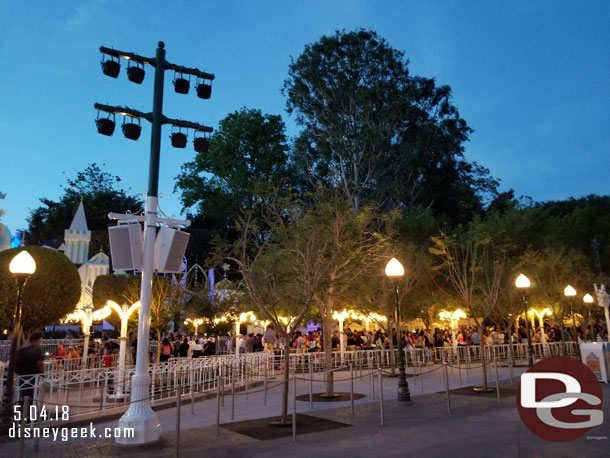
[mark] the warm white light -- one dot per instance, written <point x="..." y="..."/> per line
<point x="394" y="268"/>
<point x="22" y="264"/>
<point x="522" y="282"/>
<point x="457" y="315"/>
<point x="588" y="299"/>
<point x="569" y="291"/>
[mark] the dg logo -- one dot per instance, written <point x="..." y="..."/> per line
<point x="559" y="399"/>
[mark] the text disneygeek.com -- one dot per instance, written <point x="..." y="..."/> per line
<point x="59" y="433"/>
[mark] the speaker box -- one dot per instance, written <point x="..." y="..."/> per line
<point x="126" y="246"/>
<point x="170" y="247"/>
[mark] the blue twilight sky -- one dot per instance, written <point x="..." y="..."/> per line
<point x="531" y="77"/>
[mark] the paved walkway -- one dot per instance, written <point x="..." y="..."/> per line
<point x="477" y="427"/>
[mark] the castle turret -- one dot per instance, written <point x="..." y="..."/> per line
<point x="77" y="238"/>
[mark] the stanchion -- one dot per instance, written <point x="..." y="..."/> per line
<point x="510" y="367"/>
<point x="192" y="385"/>
<point x="421" y="376"/>
<point x="447" y="386"/>
<point x="40" y="404"/>
<point x="497" y="379"/>
<point x="372" y="369"/>
<point x="380" y="397"/>
<point x="265" y="383"/>
<point x="233" y="395"/>
<point x="222" y="388"/>
<point x="468" y="365"/>
<point x="351" y="376"/>
<point x="218" y="408"/>
<point x="294" y="407"/>
<point x="178" y="404"/>
<point x="310" y="386"/>
<point x="460" y="367"/>
<point x="26" y="411"/>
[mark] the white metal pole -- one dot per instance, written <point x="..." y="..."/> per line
<point x="607" y="322"/>
<point x="87" y="318"/>
<point x="140" y="416"/>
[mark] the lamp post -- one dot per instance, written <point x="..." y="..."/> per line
<point x="140" y="416"/>
<point x="570" y="292"/>
<point x="196" y="322"/>
<point x="588" y="300"/>
<point x="124" y="313"/>
<point x="86" y="319"/>
<point x="523" y="283"/>
<point x="546" y="312"/>
<point x="21" y="266"/>
<point x="394" y="270"/>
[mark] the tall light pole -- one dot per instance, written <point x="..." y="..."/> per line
<point x="394" y="270"/>
<point x="21" y="266"/>
<point x="570" y="292"/>
<point x="523" y="283"/>
<point x="140" y="416"/>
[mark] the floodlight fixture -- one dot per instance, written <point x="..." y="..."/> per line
<point x="204" y="91"/>
<point x="111" y="68"/>
<point x="181" y="85"/>
<point x="105" y="126"/>
<point x="131" y="130"/>
<point x="201" y="144"/>
<point x="135" y="74"/>
<point x="178" y="140"/>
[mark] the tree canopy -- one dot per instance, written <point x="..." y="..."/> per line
<point x="49" y="294"/>
<point x="101" y="194"/>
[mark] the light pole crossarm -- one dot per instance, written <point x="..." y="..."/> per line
<point x="125" y="111"/>
<point x="127" y="55"/>
<point x="127" y="218"/>
<point x="187" y="124"/>
<point x="189" y="71"/>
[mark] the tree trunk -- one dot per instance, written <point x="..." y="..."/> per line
<point x="286" y="379"/>
<point x="158" y="358"/>
<point x="328" y="353"/>
<point x="483" y="365"/>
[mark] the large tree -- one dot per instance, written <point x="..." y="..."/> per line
<point x="50" y="293"/>
<point x="248" y="155"/>
<point x="101" y="194"/>
<point x="375" y="131"/>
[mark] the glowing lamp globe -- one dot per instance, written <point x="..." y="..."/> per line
<point x="588" y="299"/>
<point x="394" y="268"/>
<point x="569" y="291"/>
<point x="23" y="264"/>
<point x="522" y="282"/>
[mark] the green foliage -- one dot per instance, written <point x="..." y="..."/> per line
<point x="377" y="132"/>
<point x="49" y="294"/>
<point x="248" y="156"/>
<point x="113" y="287"/>
<point x="101" y="195"/>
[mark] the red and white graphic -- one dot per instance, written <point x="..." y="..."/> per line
<point x="559" y="399"/>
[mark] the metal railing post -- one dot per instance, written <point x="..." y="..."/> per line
<point x="446" y="373"/>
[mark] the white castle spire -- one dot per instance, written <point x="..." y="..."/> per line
<point x="77" y="238"/>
